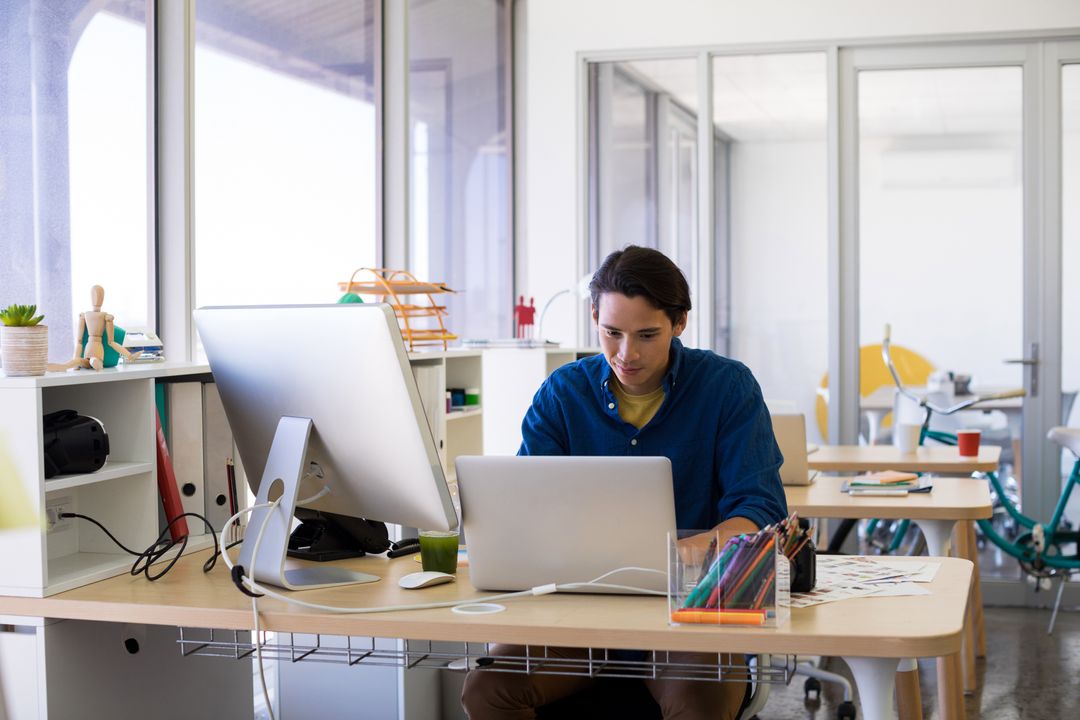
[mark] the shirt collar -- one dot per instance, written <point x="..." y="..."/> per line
<point x="675" y="360"/>
<point x="677" y="352"/>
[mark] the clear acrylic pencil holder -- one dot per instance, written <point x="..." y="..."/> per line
<point x="744" y="582"/>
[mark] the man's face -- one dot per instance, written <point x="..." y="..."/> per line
<point x="636" y="340"/>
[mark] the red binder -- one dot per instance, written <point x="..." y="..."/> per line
<point x="170" y="494"/>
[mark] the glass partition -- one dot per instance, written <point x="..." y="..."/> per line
<point x="941" y="244"/>
<point x="460" y="220"/>
<point x="74" y="163"/>
<point x="643" y="163"/>
<point x="285" y="150"/>
<point x="1070" y="262"/>
<point x="769" y="115"/>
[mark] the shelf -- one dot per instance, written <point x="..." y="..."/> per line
<point x="110" y="471"/>
<point x="461" y="414"/>
<point x="134" y="371"/>
<point x="78" y="569"/>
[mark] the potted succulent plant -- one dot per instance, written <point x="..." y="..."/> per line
<point x="24" y="343"/>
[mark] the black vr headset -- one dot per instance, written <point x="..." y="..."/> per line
<point x="74" y="443"/>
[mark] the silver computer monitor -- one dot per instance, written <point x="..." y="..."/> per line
<point x="321" y="398"/>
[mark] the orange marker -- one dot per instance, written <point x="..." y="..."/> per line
<point x="718" y="617"/>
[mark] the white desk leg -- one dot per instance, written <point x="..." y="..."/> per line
<point x="874" y="419"/>
<point x="875" y="678"/>
<point x="938" y="536"/>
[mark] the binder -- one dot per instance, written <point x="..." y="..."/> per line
<point x="167" y="488"/>
<point x="217" y="456"/>
<point x="185" y="413"/>
<point x="431" y="384"/>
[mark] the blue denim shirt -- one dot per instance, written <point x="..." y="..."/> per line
<point x="712" y="425"/>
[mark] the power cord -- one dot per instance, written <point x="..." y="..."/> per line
<point x="160" y="547"/>
<point x="254" y="590"/>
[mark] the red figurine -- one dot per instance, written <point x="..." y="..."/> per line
<point x="524" y="316"/>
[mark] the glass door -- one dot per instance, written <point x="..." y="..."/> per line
<point x="1064" y="64"/>
<point x="938" y="138"/>
<point x="955" y="223"/>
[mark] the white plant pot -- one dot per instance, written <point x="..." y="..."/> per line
<point x="24" y="350"/>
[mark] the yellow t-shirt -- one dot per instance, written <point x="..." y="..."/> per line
<point x="638" y="410"/>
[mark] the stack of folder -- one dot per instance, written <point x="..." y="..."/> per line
<point x="886" y="482"/>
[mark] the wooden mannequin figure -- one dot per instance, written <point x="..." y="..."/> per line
<point x="99" y="330"/>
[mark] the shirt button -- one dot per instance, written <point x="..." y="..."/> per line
<point x="611" y="406"/>
<point x="633" y="441"/>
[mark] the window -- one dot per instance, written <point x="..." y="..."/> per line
<point x="460" y="206"/>
<point x="643" y="161"/>
<point x="73" y="162"/>
<point x="285" y="150"/>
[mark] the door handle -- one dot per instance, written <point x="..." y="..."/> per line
<point x="1030" y="362"/>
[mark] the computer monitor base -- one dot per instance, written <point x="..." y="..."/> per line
<point x="281" y="478"/>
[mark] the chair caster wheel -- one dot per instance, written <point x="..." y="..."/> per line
<point x="846" y="711"/>
<point x="812" y="686"/>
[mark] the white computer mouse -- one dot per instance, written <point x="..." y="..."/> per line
<point x="427" y="578"/>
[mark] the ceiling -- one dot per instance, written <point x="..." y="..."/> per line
<point x="783" y="97"/>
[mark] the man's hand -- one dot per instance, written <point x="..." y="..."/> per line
<point x="692" y="549"/>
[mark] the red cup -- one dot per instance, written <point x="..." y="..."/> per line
<point x="968" y="442"/>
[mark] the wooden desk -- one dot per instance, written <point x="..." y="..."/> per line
<point x="872" y="634"/>
<point x="883" y="397"/>
<point x="931" y="459"/>
<point x="879" y="403"/>
<point x="937" y="513"/>
<point x="952" y="499"/>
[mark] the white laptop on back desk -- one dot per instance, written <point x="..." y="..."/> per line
<point x="531" y="521"/>
<point x="790" y="431"/>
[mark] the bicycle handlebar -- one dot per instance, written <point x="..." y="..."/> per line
<point x="886" y="355"/>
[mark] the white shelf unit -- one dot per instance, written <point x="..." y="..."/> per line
<point x="511" y="377"/>
<point x="458" y="432"/>
<point x="122" y="495"/>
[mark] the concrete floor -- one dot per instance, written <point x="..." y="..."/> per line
<point x="1026" y="674"/>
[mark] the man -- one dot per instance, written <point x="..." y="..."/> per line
<point x="648" y="395"/>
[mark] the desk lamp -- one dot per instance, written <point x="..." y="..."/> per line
<point x="580" y="291"/>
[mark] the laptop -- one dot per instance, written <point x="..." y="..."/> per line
<point x="531" y="521"/>
<point x="790" y="431"/>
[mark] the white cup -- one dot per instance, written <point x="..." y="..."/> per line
<point x="907" y="437"/>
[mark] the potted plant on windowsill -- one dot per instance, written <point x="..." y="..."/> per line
<point x="24" y="343"/>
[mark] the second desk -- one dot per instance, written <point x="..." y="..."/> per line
<point x="952" y="501"/>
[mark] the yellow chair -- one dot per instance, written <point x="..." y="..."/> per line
<point x="912" y="367"/>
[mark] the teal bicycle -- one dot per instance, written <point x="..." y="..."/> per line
<point x="1043" y="550"/>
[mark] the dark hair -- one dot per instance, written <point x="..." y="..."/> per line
<point x="639" y="271"/>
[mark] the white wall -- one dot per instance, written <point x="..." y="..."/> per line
<point x="557" y="30"/>
<point x="943" y="261"/>
<point x="779" y="271"/>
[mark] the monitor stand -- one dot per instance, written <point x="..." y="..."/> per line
<point x="282" y="474"/>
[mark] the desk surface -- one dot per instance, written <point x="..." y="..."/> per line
<point x="953" y="498"/>
<point x="882" y="399"/>
<point x="919" y="626"/>
<point x="871" y="458"/>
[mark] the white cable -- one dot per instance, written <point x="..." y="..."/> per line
<point x="635" y="590"/>
<point x="628" y="569"/>
<point x="255" y="611"/>
<point x="255" y="587"/>
<point x="259" y="657"/>
<point x="252" y="585"/>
